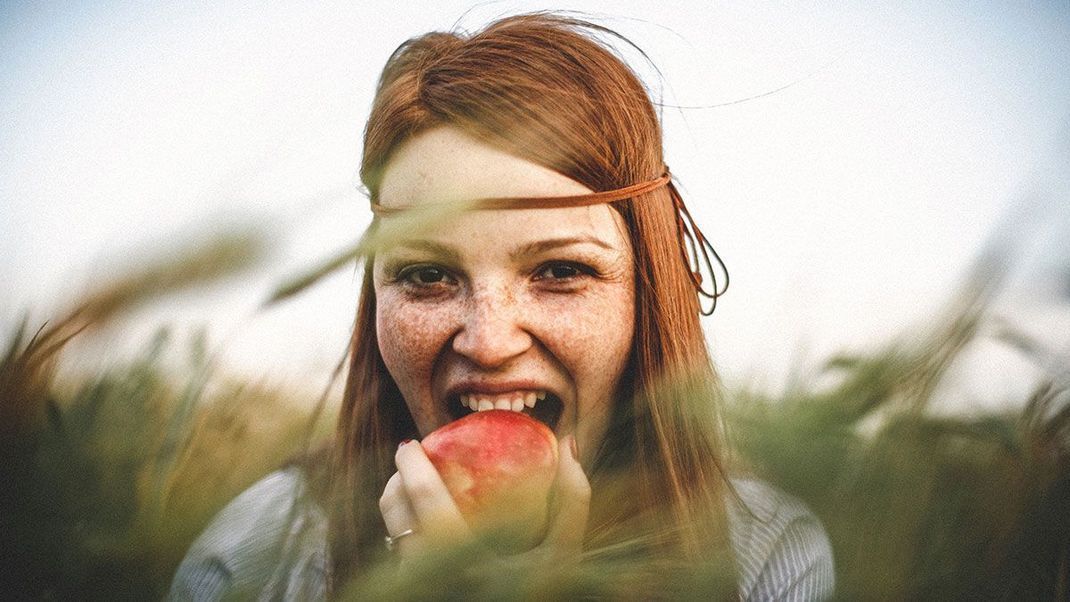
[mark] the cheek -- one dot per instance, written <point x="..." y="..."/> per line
<point x="593" y="337"/>
<point x="594" y="345"/>
<point x="410" y="338"/>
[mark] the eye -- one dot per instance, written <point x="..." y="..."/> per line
<point x="425" y="276"/>
<point x="428" y="275"/>
<point x="561" y="271"/>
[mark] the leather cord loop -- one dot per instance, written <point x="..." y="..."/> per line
<point x="693" y="244"/>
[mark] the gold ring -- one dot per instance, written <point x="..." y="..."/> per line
<point x="392" y="541"/>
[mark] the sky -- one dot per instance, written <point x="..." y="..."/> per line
<point x="849" y="161"/>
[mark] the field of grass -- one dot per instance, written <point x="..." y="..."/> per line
<point x="107" y="479"/>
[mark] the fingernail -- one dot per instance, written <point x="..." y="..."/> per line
<point x="403" y="442"/>
<point x="574" y="448"/>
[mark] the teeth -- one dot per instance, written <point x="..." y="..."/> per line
<point x="515" y="401"/>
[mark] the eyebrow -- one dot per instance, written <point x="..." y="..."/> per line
<point x="430" y="247"/>
<point x="549" y="244"/>
<point x="532" y="248"/>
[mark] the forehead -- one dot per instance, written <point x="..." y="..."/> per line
<point x="444" y="164"/>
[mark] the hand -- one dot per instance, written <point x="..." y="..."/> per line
<point x="416" y="498"/>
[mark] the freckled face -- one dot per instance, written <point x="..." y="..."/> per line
<point x="497" y="305"/>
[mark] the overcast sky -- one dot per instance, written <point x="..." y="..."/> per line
<point x="848" y="161"/>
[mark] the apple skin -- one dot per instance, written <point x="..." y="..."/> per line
<point x="499" y="467"/>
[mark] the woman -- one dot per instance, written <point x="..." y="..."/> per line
<point x="558" y="272"/>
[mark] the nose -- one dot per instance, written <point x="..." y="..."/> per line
<point x="492" y="331"/>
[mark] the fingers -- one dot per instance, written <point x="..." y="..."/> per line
<point x="436" y="515"/>
<point x="416" y="498"/>
<point x="397" y="513"/>
<point x="573" y="499"/>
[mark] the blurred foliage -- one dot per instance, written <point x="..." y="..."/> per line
<point x="474" y="573"/>
<point x="920" y="505"/>
<point x="107" y="480"/>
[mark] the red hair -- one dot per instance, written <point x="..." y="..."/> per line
<point x="546" y="89"/>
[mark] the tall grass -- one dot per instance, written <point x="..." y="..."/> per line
<point x="108" y="479"/>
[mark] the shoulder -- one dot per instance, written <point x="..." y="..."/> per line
<point x="271" y="538"/>
<point x="782" y="550"/>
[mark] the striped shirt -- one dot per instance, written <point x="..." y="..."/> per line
<point x="270" y="543"/>
<point x="782" y="551"/>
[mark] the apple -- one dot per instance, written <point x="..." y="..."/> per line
<point x="499" y="467"/>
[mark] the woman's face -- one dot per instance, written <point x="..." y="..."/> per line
<point x="502" y="308"/>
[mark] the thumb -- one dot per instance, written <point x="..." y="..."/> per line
<point x="573" y="498"/>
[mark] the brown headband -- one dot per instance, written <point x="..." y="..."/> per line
<point x="690" y="237"/>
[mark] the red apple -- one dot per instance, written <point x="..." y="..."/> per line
<point x="498" y="466"/>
